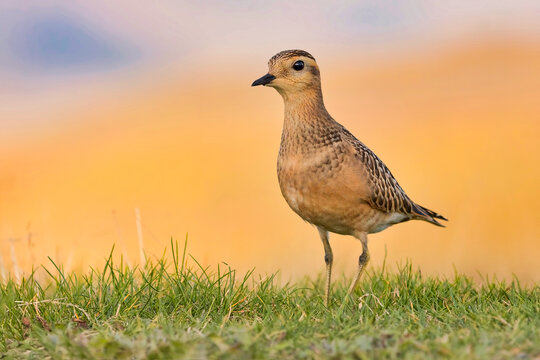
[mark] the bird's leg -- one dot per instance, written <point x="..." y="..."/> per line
<point x="362" y="262"/>
<point x="328" y="259"/>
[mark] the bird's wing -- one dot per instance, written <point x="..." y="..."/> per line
<point x="383" y="191"/>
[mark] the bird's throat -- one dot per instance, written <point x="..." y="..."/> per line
<point x="305" y="105"/>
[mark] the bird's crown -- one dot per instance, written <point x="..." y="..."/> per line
<point x="285" y="54"/>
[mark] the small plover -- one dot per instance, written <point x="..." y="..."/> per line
<point x="326" y="175"/>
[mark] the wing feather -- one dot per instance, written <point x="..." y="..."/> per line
<point x="385" y="193"/>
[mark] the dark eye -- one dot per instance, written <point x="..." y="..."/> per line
<point x="299" y="65"/>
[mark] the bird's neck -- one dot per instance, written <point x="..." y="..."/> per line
<point x="305" y="109"/>
<point x="306" y="123"/>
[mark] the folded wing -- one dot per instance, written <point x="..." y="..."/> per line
<point x="385" y="193"/>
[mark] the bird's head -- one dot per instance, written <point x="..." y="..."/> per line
<point x="292" y="72"/>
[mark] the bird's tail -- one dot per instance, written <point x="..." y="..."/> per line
<point x="428" y="215"/>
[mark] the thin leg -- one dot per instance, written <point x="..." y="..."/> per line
<point x="362" y="261"/>
<point x="328" y="259"/>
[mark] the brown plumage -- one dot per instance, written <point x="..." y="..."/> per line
<point x="326" y="175"/>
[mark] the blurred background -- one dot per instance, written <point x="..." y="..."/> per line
<point x="112" y="109"/>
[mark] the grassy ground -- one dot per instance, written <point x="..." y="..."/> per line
<point x="171" y="311"/>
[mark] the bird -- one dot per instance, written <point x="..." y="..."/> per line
<point x="326" y="175"/>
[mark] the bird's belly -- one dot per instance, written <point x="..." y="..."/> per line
<point x="321" y="205"/>
<point x="334" y="209"/>
<point x="330" y="194"/>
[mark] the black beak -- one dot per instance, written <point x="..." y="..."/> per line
<point x="266" y="79"/>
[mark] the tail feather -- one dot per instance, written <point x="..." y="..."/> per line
<point x="428" y="215"/>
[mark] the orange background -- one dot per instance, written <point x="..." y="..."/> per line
<point x="193" y="147"/>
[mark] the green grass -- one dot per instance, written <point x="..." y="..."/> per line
<point x="172" y="311"/>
